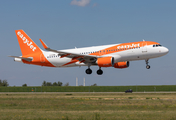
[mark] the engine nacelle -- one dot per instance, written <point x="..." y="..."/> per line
<point x="122" y="64"/>
<point x="105" y="62"/>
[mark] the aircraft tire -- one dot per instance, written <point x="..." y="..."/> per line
<point x="148" y="66"/>
<point x="99" y="72"/>
<point x="88" y="71"/>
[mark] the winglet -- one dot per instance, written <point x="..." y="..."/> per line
<point x="44" y="45"/>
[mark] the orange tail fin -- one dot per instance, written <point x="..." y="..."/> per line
<point x="27" y="45"/>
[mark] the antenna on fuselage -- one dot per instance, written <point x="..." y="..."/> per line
<point x="143" y="40"/>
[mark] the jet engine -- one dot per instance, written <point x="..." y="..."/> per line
<point x="105" y="61"/>
<point x="122" y="64"/>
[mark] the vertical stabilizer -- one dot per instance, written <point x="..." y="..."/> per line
<point x="27" y="45"/>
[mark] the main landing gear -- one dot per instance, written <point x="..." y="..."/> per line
<point x="100" y="72"/>
<point x="89" y="71"/>
<point x="147" y="66"/>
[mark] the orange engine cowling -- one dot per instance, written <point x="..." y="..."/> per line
<point x="122" y="64"/>
<point x="105" y="62"/>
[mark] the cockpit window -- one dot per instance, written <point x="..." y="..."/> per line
<point x="157" y="45"/>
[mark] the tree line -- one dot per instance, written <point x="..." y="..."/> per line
<point x="51" y="84"/>
<point x="3" y="83"/>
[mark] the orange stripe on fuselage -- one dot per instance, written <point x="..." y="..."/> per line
<point x="71" y="62"/>
<point x="38" y="59"/>
<point x="74" y="60"/>
<point x="114" y="49"/>
<point x="123" y="47"/>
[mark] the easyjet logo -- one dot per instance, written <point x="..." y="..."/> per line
<point x="26" y="41"/>
<point x="129" y="46"/>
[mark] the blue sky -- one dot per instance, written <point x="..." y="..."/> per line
<point x="64" y="24"/>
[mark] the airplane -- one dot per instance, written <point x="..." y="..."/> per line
<point x="114" y="55"/>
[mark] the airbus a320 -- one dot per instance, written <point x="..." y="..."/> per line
<point x="114" y="55"/>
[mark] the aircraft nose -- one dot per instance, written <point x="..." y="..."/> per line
<point x="165" y="50"/>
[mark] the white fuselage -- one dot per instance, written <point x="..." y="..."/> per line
<point x="142" y="53"/>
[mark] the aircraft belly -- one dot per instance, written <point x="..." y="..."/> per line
<point x="59" y="62"/>
<point x="132" y="55"/>
<point x="128" y="55"/>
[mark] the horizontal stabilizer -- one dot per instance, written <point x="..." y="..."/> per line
<point x="24" y="58"/>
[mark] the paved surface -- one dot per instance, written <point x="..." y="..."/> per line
<point x="77" y="92"/>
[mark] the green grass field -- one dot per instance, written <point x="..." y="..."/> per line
<point x="87" y="106"/>
<point x="89" y="88"/>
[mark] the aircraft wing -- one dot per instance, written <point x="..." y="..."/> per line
<point x="80" y="57"/>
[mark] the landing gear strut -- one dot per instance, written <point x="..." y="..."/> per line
<point x="147" y="66"/>
<point x="99" y="72"/>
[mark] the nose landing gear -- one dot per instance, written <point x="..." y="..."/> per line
<point x="147" y="66"/>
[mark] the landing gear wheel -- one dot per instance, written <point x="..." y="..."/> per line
<point x="88" y="71"/>
<point x="148" y="66"/>
<point x="99" y="72"/>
